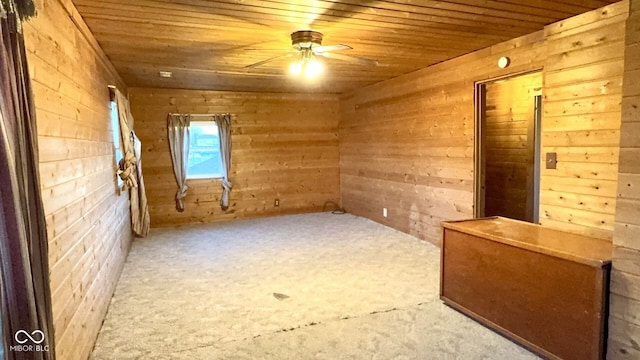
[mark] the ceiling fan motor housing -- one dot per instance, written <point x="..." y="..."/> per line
<point x="305" y="39"/>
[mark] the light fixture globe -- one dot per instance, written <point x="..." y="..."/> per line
<point x="503" y="62"/>
<point x="296" y="68"/>
<point x="312" y="68"/>
<point x="307" y="64"/>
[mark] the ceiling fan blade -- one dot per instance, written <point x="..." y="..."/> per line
<point x="329" y="48"/>
<point x="268" y="60"/>
<point x="352" y="59"/>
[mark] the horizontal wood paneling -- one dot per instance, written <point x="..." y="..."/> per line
<point x="87" y="223"/>
<point x="212" y="42"/>
<point x="624" y="322"/>
<point x="285" y="146"/>
<point x="407" y="144"/>
<point x="582" y="116"/>
<point x="415" y="132"/>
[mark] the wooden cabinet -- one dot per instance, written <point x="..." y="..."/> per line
<point x="543" y="288"/>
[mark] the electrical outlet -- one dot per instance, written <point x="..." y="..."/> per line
<point x="384" y="212"/>
<point x="276" y="202"/>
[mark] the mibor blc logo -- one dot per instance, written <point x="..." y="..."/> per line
<point x="29" y="342"/>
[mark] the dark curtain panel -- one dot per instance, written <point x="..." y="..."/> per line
<point x="26" y="299"/>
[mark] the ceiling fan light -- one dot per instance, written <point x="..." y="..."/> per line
<point x="296" y="68"/>
<point x="312" y="69"/>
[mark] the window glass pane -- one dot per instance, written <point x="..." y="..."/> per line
<point x="204" y="151"/>
<point x="115" y="129"/>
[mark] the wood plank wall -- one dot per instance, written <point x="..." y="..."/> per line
<point x="87" y="223"/>
<point x="581" y="120"/>
<point x="285" y="146"/>
<point x="407" y="143"/>
<point x="624" y="320"/>
<point x="508" y="144"/>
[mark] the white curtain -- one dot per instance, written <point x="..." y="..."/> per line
<point x="131" y="167"/>
<point x="178" y="132"/>
<point x="224" y="128"/>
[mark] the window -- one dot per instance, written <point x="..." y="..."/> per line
<point x="204" y="151"/>
<point x="115" y="131"/>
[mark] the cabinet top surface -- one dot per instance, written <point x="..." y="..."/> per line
<point x="579" y="248"/>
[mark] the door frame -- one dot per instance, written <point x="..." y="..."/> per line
<point x="479" y="101"/>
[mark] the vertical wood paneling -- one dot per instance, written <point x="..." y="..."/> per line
<point x="87" y="223"/>
<point x="407" y="144"/>
<point x="624" y="322"/>
<point x="285" y="146"/>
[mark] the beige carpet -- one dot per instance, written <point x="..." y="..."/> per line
<point x="315" y="286"/>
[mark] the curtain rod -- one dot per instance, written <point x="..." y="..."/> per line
<point x="198" y="115"/>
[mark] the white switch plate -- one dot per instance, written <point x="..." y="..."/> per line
<point x="384" y="212"/>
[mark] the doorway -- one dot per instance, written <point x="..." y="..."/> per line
<point x="508" y="122"/>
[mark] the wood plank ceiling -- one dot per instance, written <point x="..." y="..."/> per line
<point x="208" y="44"/>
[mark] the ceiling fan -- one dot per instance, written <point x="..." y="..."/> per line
<point x="307" y="45"/>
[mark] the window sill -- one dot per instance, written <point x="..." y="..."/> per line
<point x="204" y="178"/>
